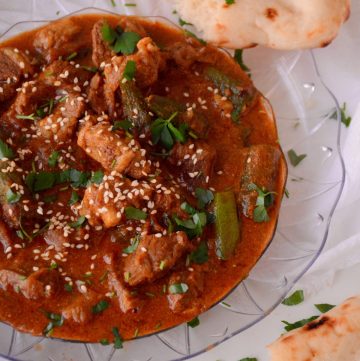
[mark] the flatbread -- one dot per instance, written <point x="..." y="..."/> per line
<point x="279" y="24"/>
<point x="335" y="336"/>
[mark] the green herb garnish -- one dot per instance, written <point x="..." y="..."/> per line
<point x="72" y="56"/>
<point x="192" y="35"/>
<point x="68" y="287"/>
<point x="120" y="41"/>
<point x="12" y="197"/>
<point x="194" y="322"/>
<point x="74" y="198"/>
<point x="296" y="298"/>
<point x="247" y="358"/>
<point x="204" y="197"/>
<point x="292" y="326"/>
<point x="294" y="158"/>
<point x="324" y="307"/>
<point x="122" y="124"/>
<point x="100" y="306"/>
<point x="264" y="200"/>
<point x="200" y="255"/>
<point x="183" y="22"/>
<point x="104" y="341"/>
<point x="178" y="288"/>
<point x="134" y="243"/>
<point x="135" y="213"/>
<point x="78" y="223"/>
<point x="230" y="2"/>
<point x="345" y="119"/>
<point x="6" y="151"/>
<point x="53" y="159"/>
<point x="118" y="342"/>
<point x="130" y="70"/>
<point x="97" y="177"/>
<point x="162" y="130"/>
<point x="40" y="181"/>
<point x="56" y="320"/>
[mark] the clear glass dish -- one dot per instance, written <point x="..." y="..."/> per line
<point x="308" y="120"/>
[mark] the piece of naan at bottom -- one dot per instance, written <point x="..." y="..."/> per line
<point x="334" y="336"/>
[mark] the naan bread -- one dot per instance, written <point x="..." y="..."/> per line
<point x="333" y="336"/>
<point x="279" y="24"/>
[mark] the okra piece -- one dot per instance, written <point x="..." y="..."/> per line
<point x="226" y="223"/>
<point x="261" y="167"/>
<point x="135" y="107"/>
<point x="164" y="107"/>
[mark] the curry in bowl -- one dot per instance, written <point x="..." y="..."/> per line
<point x="141" y="178"/>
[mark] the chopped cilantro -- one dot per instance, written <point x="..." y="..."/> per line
<point x="68" y="287"/>
<point x="264" y="200"/>
<point x="194" y="322"/>
<point x="12" y="197"/>
<point x="122" y="124"/>
<point x="294" y="299"/>
<point x="178" y="288"/>
<point x="249" y="358"/>
<point x="6" y="151"/>
<point x="294" y="158"/>
<point x="56" y="320"/>
<point x="130" y="70"/>
<point x="324" y="307"/>
<point x="192" y="35"/>
<point x="230" y="2"/>
<point x="78" y="223"/>
<point x="183" y="22"/>
<point x="238" y="56"/>
<point x="100" y="306"/>
<point x="72" y="56"/>
<point x="97" y="177"/>
<point x="345" y="119"/>
<point x="292" y="326"/>
<point x="118" y="342"/>
<point x="134" y="243"/>
<point x="135" y="213"/>
<point x="74" y="198"/>
<point x="104" y="341"/>
<point x="200" y="255"/>
<point x="204" y="197"/>
<point x="52" y="161"/>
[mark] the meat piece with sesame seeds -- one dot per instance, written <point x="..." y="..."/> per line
<point x="31" y="286"/>
<point x="190" y="300"/>
<point x="5" y="235"/>
<point x="155" y="256"/>
<point x="112" y="149"/>
<point x="149" y="62"/>
<point x="59" y="38"/>
<point x="105" y="203"/>
<point x="194" y="161"/>
<point x="13" y="66"/>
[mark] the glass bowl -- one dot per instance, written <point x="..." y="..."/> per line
<point x="308" y="120"/>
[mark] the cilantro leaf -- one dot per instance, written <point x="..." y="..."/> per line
<point x="54" y="156"/>
<point x="204" y="197"/>
<point x="6" y="151"/>
<point x="122" y="124"/>
<point x="118" y="342"/>
<point x="230" y="2"/>
<point x="200" y="255"/>
<point x="345" y="119"/>
<point x="56" y="320"/>
<point x="97" y="177"/>
<point x="134" y="243"/>
<point x="264" y="200"/>
<point x="178" y="288"/>
<point x="130" y="70"/>
<point x="100" y="306"/>
<point x="40" y="181"/>
<point x="12" y="197"/>
<point x="294" y="299"/>
<point x="248" y="358"/>
<point x="126" y="43"/>
<point x="183" y="22"/>
<point x="292" y="326"/>
<point x="78" y="223"/>
<point x="135" y="213"/>
<point x="194" y="322"/>
<point x="294" y="158"/>
<point x="324" y="307"/>
<point x="108" y="33"/>
<point x="74" y="198"/>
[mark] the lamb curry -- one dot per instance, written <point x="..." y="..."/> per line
<point x="141" y="178"/>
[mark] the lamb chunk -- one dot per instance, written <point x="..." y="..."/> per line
<point x="113" y="150"/>
<point x="101" y="50"/>
<point x="79" y="311"/>
<point x="155" y="256"/>
<point x="65" y="73"/>
<point x="127" y="300"/>
<point x="13" y="66"/>
<point x="33" y="286"/>
<point x="195" y="161"/>
<point x="100" y="209"/>
<point x="96" y="96"/>
<point x="149" y="62"/>
<point x="61" y="124"/>
<point x="189" y="301"/>
<point x="59" y="38"/>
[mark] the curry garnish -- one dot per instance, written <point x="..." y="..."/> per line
<point x="345" y="119"/>
<point x="294" y="299"/>
<point x="135" y="213"/>
<point x="130" y="70"/>
<point x="56" y="320"/>
<point x="238" y="56"/>
<point x="100" y="306"/>
<point x="178" y="288"/>
<point x="6" y="151"/>
<point x="118" y="342"/>
<point x="295" y="159"/>
<point x="292" y="326"/>
<point x="324" y="307"/>
<point x="194" y="322"/>
<point x="265" y="199"/>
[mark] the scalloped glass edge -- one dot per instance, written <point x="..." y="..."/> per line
<point x="289" y="285"/>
